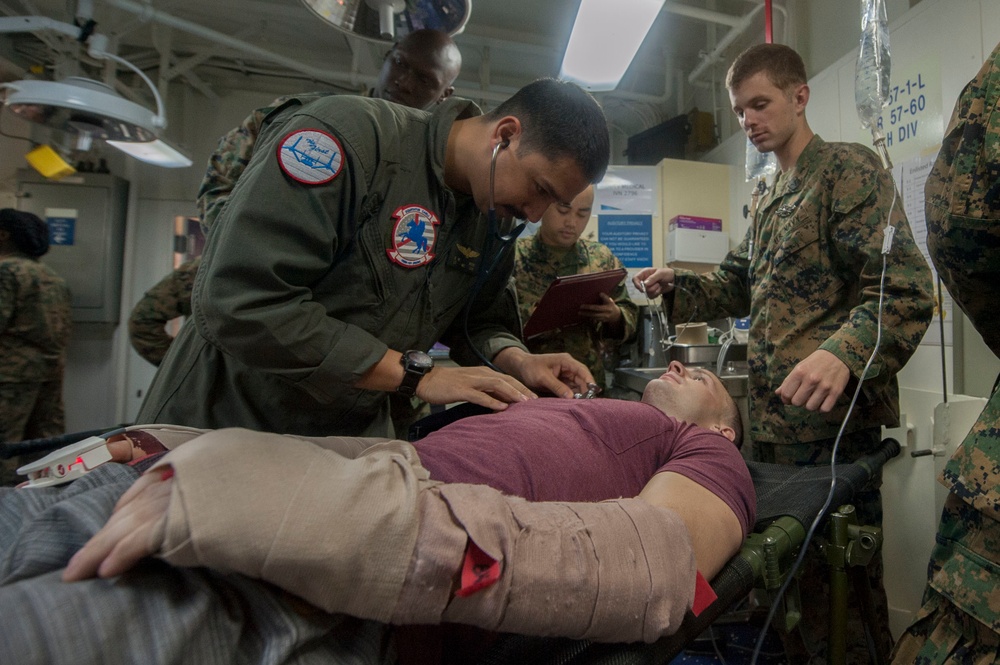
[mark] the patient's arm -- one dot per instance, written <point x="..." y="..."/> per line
<point x="716" y="534"/>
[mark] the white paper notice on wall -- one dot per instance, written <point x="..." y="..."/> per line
<point x="911" y="175"/>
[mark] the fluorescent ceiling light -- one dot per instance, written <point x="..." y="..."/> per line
<point x="154" y="152"/>
<point x="605" y="38"/>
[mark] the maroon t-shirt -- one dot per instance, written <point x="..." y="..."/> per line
<point x="553" y="449"/>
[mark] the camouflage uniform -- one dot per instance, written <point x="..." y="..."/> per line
<point x="169" y="299"/>
<point x="960" y="619"/>
<point x="35" y="325"/>
<point x="812" y="282"/>
<point x="537" y="265"/>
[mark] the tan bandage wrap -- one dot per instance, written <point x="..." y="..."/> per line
<point x="373" y="537"/>
<point x="616" y="571"/>
<point x="336" y="531"/>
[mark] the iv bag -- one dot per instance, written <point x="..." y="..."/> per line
<point x="871" y="74"/>
<point x="759" y="164"/>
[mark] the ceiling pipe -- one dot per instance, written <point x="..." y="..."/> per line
<point x="147" y="13"/>
<point x="724" y="43"/>
<point x="702" y="14"/>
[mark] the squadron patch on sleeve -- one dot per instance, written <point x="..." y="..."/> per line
<point x="310" y="156"/>
<point x="413" y="236"/>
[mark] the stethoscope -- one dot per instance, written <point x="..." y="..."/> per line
<point x="490" y="255"/>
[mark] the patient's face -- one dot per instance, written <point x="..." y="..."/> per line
<point x="692" y="395"/>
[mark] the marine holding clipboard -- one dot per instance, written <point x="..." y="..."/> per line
<point x="571" y="291"/>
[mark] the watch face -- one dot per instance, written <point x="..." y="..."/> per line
<point x="419" y="360"/>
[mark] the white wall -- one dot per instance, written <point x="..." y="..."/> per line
<point x="939" y="44"/>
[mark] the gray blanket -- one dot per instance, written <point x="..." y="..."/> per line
<point x="155" y="613"/>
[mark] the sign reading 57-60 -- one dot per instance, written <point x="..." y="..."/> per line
<point x="912" y="112"/>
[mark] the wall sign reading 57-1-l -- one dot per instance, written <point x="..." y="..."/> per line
<point x="912" y="110"/>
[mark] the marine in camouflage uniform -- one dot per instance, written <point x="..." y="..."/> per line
<point x="960" y="619"/>
<point x="167" y="300"/>
<point x="557" y="250"/>
<point x="811" y="283"/>
<point x="35" y="326"/>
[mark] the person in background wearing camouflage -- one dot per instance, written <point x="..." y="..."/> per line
<point x="808" y="275"/>
<point x="556" y="251"/>
<point x="417" y="72"/>
<point x="35" y="325"/>
<point x="167" y="300"/>
<point x="960" y="619"/>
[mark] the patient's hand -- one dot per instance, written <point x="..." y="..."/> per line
<point x="131" y="532"/>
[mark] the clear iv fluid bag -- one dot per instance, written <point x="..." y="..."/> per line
<point x="759" y="164"/>
<point x="871" y="75"/>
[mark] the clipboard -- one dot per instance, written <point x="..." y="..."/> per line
<point x="559" y="306"/>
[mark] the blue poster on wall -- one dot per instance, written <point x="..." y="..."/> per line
<point x="630" y="237"/>
<point x="62" y="225"/>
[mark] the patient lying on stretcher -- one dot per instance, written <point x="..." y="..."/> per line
<point x="580" y="518"/>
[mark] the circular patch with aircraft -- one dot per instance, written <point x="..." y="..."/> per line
<point x="311" y="156"/>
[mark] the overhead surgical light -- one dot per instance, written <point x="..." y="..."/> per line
<point x="388" y="20"/>
<point x="82" y="106"/>
<point x="605" y="38"/>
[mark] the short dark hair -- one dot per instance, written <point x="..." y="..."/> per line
<point x="732" y="417"/>
<point x="560" y="119"/>
<point x="782" y="65"/>
<point x="27" y="231"/>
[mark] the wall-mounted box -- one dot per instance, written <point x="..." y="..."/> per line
<point x="699" y="223"/>
<point x="695" y="246"/>
<point x="86" y="218"/>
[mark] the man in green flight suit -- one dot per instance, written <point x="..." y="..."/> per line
<point x="556" y="251"/>
<point x="354" y="239"/>
<point x="960" y="619"/>
<point x="808" y="273"/>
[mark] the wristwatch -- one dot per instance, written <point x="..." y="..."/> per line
<point x="415" y="365"/>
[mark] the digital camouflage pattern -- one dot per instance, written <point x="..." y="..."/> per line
<point x="960" y="619"/>
<point x="35" y="326"/>
<point x="813" y="283"/>
<point x="233" y="154"/>
<point x="536" y="266"/>
<point x="167" y="300"/>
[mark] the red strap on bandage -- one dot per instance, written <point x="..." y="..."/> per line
<point x="704" y="595"/>
<point x="479" y="570"/>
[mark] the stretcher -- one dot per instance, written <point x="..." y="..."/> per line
<point x="788" y="499"/>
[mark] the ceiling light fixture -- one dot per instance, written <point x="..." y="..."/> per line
<point x="88" y="108"/>
<point x="388" y="20"/>
<point x="605" y="38"/>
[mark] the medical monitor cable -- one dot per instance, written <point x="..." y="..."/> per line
<point x="890" y="232"/>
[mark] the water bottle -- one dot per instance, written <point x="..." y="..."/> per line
<point x="741" y="330"/>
